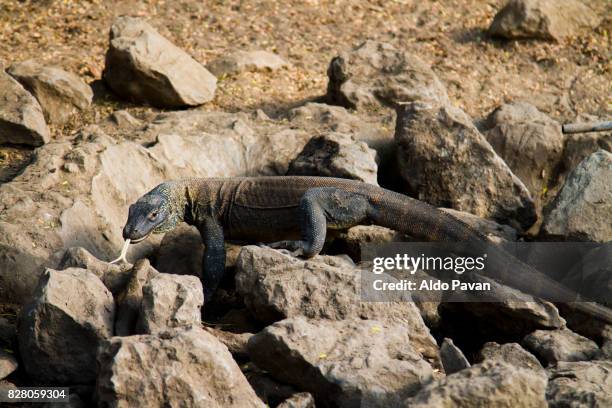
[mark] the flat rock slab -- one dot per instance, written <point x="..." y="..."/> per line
<point x="143" y="66"/>
<point x="554" y="346"/>
<point x="59" y="93"/>
<point x="60" y="329"/>
<point x="180" y="367"/>
<point x="490" y="384"/>
<point x="580" y="384"/>
<point x="243" y="61"/>
<point x="581" y="211"/>
<point x="447" y="162"/>
<point x="21" y="117"/>
<point x="452" y="357"/>
<point x="542" y="19"/>
<point x="349" y="363"/>
<point x="511" y="353"/>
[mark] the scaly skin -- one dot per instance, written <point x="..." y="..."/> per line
<point x="299" y="210"/>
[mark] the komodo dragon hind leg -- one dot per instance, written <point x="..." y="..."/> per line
<point x="213" y="262"/>
<point x="322" y="208"/>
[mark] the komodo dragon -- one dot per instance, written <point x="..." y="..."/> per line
<point x="266" y="209"/>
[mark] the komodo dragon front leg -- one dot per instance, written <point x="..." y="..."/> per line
<point x="213" y="261"/>
<point x="322" y="208"/>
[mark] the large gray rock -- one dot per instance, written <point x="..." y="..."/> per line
<point x="580" y="384"/>
<point x="181" y="251"/>
<point x="376" y="75"/>
<point x="180" y="367"/>
<point x="170" y="301"/>
<point x="241" y="61"/>
<point x="349" y="363"/>
<point x="511" y="353"/>
<point x="553" y="346"/>
<point x="530" y="142"/>
<point x="542" y="19"/>
<point x="336" y="155"/>
<point x="277" y="286"/>
<point x="88" y="207"/>
<point x="21" y="117"/>
<point x="61" y="328"/>
<point x="492" y="384"/>
<point x="581" y="211"/>
<point x="143" y="66"/>
<point x="60" y="93"/>
<point x="447" y="162"/>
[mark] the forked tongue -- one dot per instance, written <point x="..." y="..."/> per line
<point x="123" y="252"/>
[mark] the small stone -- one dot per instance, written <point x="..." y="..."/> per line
<point x="243" y="61"/>
<point x="452" y="357"/>
<point x="580" y="384"/>
<point x="542" y="19"/>
<point x="60" y="93"/>
<point x="21" y="117"/>
<point x="301" y="400"/>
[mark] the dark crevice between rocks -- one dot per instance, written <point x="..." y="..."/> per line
<point x="13" y="161"/>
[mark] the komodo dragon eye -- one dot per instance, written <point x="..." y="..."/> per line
<point x="153" y="215"/>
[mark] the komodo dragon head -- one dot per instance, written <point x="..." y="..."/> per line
<point x="154" y="212"/>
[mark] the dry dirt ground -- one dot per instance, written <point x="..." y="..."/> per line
<point x="564" y="79"/>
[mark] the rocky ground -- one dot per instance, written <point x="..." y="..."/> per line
<point x="456" y="103"/>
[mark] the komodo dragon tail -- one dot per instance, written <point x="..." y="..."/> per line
<point x="413" y="217"/>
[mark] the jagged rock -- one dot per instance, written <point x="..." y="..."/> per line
<point x="490" y="384"/>
<point x="553" y="346"/>
<point x="8" y="364"/>
<point x="447" y="162"/>
<point x="21" y="117"/>
<point x="377" y="74"/>
<point x="348" y="363"/>
<point x="60" y="329"/>
<point x="581" y="211"/>
<point x="124" y="119"/>
<point x="301" y="400"/>
<point x="511" y="353"/>
<point x="59" y="93"/>
<point x="179" y="367"/>
<point x="241" y="61"/>
<point x="530" y="142"/>
<point x="130" y="299"/>
<point x="542" y="19"/>
<point x="336" y="155"/>
<point x="114" y="276"/>
<point x="353" y="241"/>
<point x="170" y="301"/>
<point x="452" y="357"/>
<point x="495" y="232"/>
<point x="276" y="286"/>
<point x="580" y="384"/>
<point x="143" y="66"/>
<point x="88" y="208"/>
